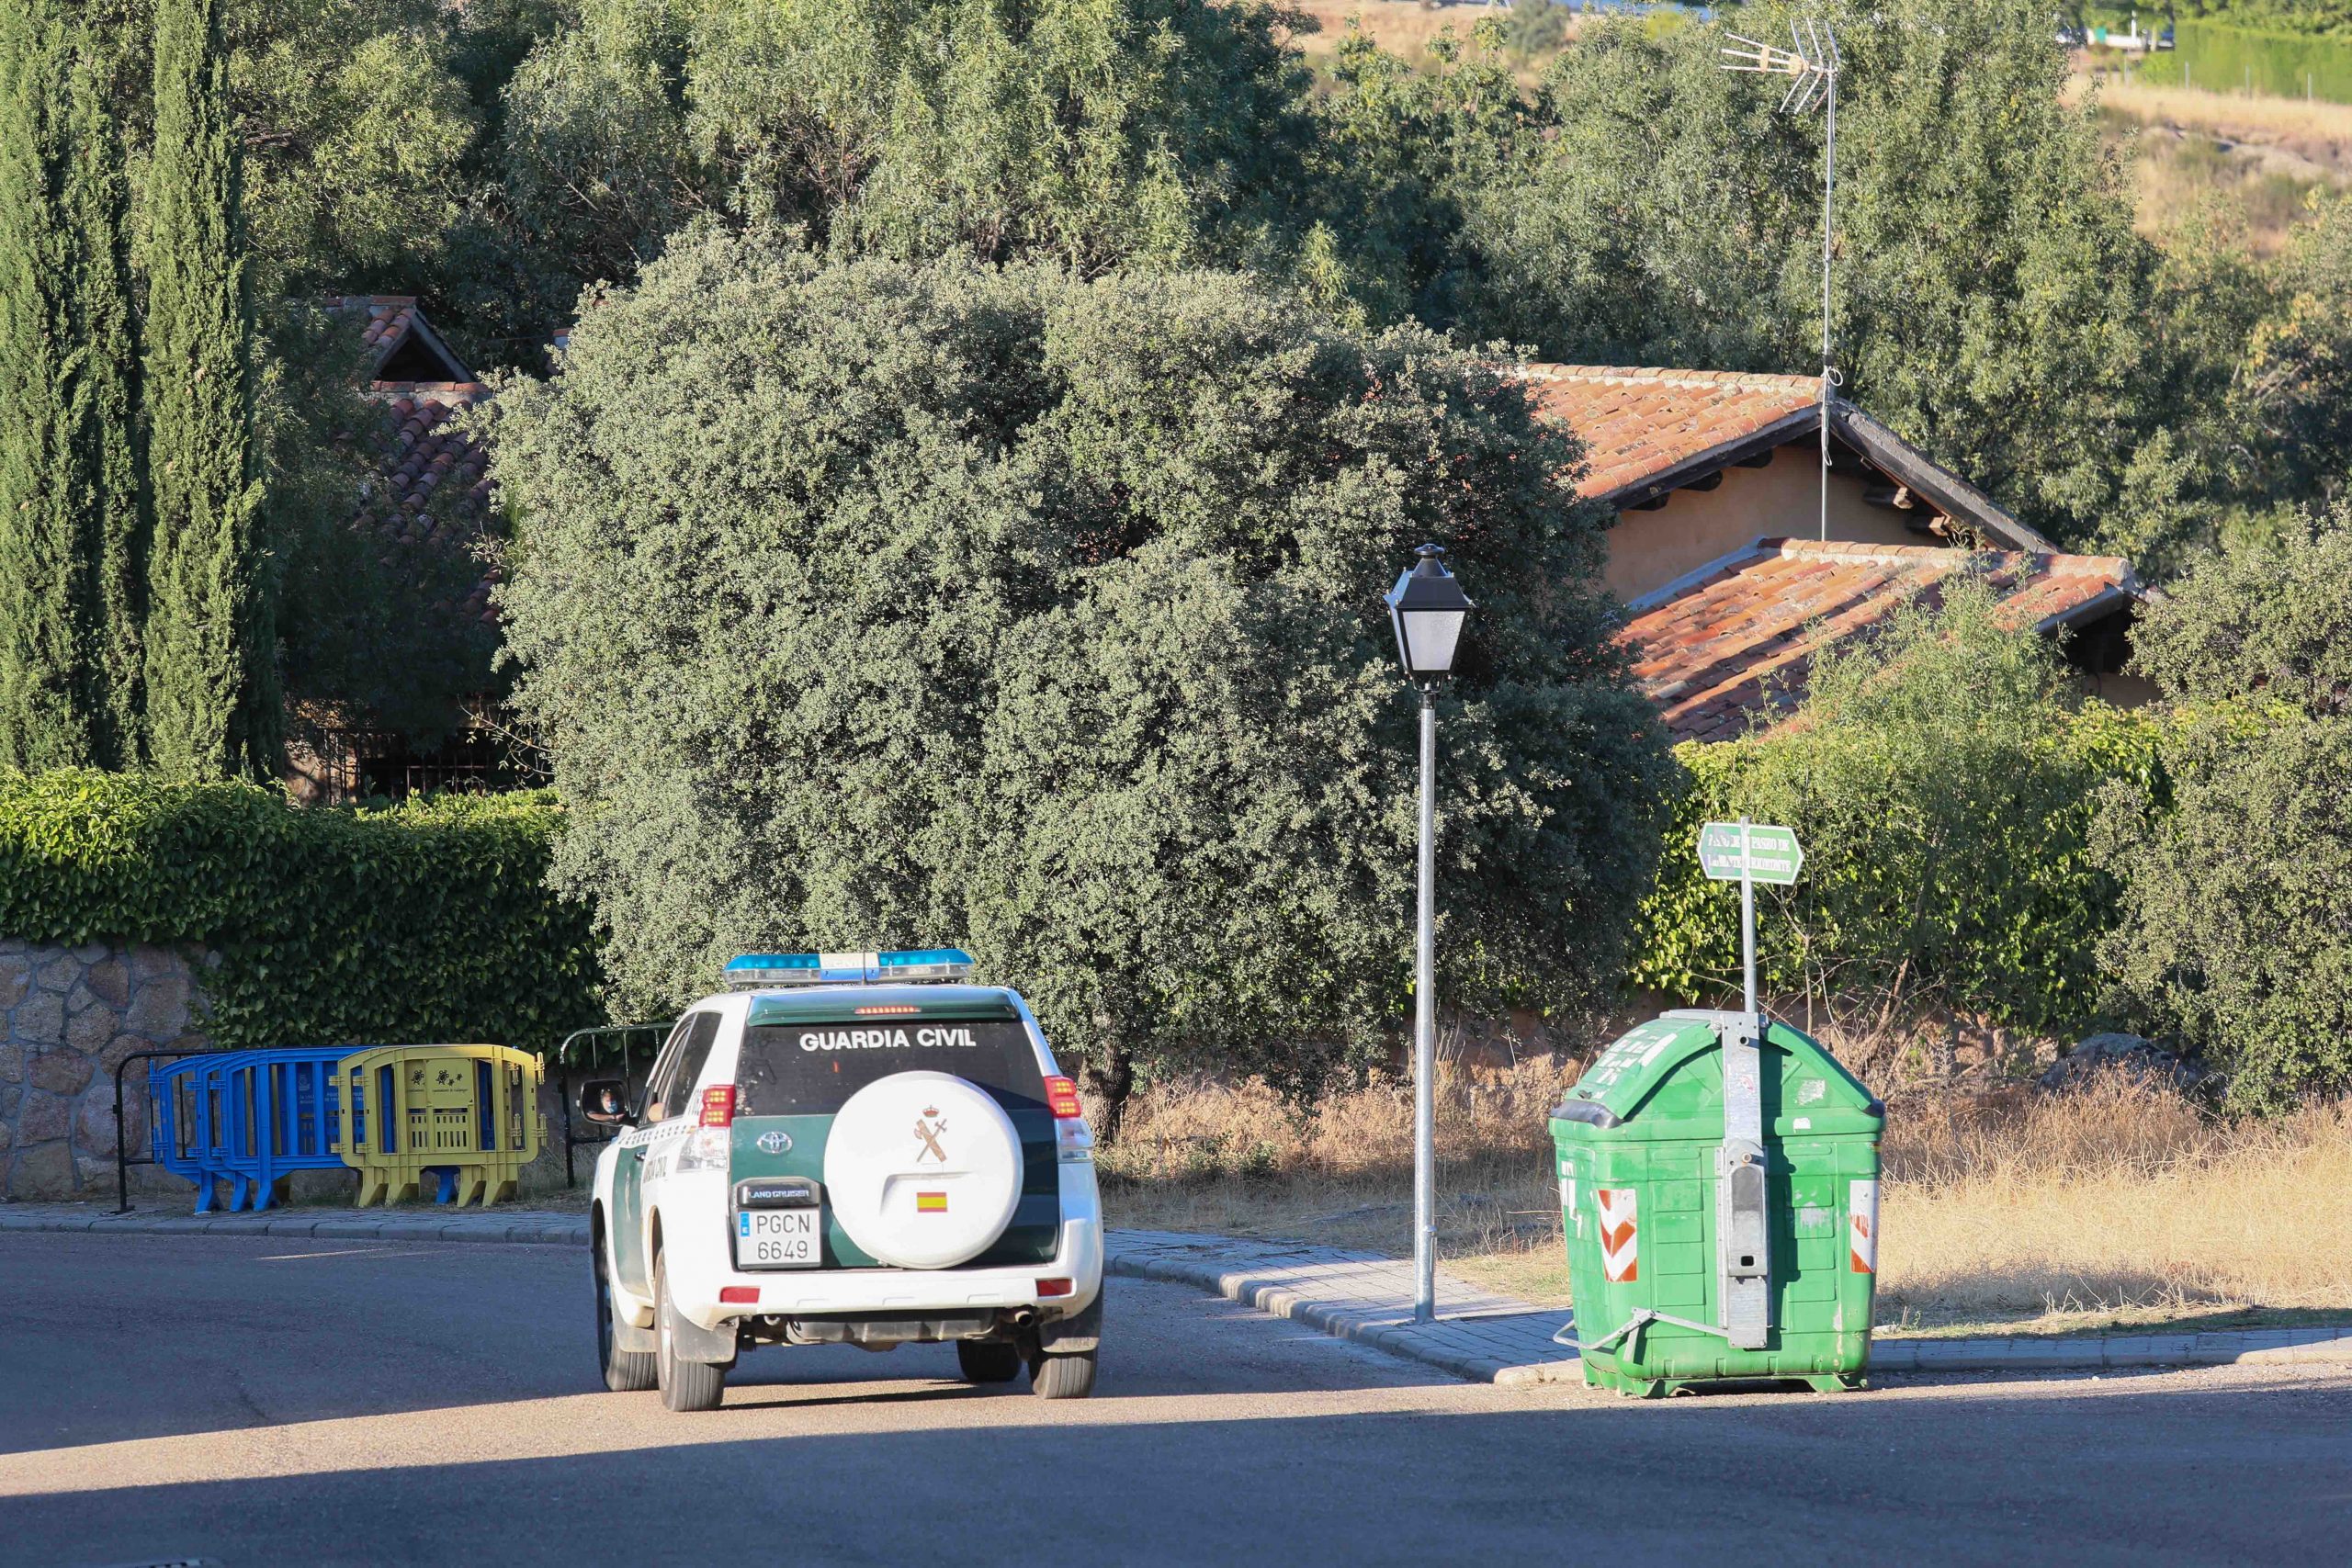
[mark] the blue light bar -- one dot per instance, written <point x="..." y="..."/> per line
<point x="760" y="969"/>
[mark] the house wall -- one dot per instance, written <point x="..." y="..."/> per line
<point x="2123" y="691"/>
<point x="1649" y="549"/>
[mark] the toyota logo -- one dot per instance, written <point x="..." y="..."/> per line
<point x="774" y="1142"/>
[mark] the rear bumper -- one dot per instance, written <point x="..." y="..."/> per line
<point x="789" y="1292"/>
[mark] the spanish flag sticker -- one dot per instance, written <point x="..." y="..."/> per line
<point x="930" y="1202"/>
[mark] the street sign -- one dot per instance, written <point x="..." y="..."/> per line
<point x="1745" y="853"/>
<point x="1764" y="853"/>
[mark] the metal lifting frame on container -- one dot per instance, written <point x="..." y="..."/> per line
<point x="1743" y="1235"/>
<point x="1642" y="1316"/>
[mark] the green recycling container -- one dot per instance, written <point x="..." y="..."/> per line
<point x="1637" y="1142"/>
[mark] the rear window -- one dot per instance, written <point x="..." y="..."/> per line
<point x="802" y="1069"/>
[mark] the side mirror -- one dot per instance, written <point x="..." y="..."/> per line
<point x="605" y="1102"/>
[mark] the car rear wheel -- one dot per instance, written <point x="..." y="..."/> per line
<point x="1069" y="1376"/>
<point x="988" y="1360"/>
<point x="626" y="1371"/>
<point x="685" y="1385"/>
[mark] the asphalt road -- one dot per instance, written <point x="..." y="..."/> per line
<point x="268" y="1402"/>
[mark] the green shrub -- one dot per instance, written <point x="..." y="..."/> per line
<point x="2233" y="937"/>
<point x="428" y="921"/>
<point x="875" y="605"/>
<point x="2235" y="862"/>
<point x="1942" y="787"/>
<point x="2266" y="617"/>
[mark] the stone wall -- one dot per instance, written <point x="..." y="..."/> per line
<point x="67" y="1018"/>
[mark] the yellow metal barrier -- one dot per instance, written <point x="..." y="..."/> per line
<point x="469" y="1113"/>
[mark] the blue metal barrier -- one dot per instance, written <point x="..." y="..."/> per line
<point x="246" y="1118"/>
<point x="219" y="1112"/>
<point x="174" y="1131"/>
<point x="282" y="1119"/>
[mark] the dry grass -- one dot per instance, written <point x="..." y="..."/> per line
<point x="2122" y="1205"/>
<point x="2181" y="175"/>
<point x="1403" y="28"/>
<point x="2319" y="132"/>
<point x="1233" y="1158"/>
<point x="2262" y="157"/>
<point x="2121" y="1200"/>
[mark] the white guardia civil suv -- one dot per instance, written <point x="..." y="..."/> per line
<point x="847" y="1149"/>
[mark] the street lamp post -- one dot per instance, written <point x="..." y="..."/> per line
<point x="1427" y="608"/>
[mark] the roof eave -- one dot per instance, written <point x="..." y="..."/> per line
<point x="2114" y="597"/>
<point x="1877" y="445"/>
<point x="423" y="331"/>
<point x="1780" y="433"/>
<point x="1950" y="494"/>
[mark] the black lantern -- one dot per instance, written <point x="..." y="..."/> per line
<point x="1428" y="607"/>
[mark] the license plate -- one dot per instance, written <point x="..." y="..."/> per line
<point x="776" y="1238"/>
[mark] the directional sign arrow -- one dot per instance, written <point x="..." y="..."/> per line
<point x="1764" y="853"/>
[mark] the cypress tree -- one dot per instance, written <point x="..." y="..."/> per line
<point x="212" y="697"/>
<point x="48" y="686"/>
<point x="103" y="403"/>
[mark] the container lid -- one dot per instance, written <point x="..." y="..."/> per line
<point x="1667" y="1075"/>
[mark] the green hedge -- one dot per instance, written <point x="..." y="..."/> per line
<point x="2004" y="918"/>
<point x="426" y="921"/>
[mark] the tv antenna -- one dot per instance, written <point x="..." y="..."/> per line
<point x="1812" y="67"/>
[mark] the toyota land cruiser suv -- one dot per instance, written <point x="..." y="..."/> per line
<point x="847" y="1149"/>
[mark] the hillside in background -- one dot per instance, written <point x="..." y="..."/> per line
<point x="2286" y="16"/>
<point x="2260" y="159"/>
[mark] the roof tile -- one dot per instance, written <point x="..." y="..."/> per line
<point x="1733" y="643"/>
<point x="1639" y="422"/>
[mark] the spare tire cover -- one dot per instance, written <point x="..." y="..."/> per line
<point x="923" y="1170"/>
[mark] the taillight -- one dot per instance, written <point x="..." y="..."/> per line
<point x="1061" y="1097"/>
<point x="718" y="1105"/>
<point x="739" y="1295"/>
<point x="1053" y="1288"/>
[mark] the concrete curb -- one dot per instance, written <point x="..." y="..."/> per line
<point x="2325" y="1346"/>
<point x="1464" y="1346"/>
<point x="1493" y="1344"/>
<point x="511" y="1227"/>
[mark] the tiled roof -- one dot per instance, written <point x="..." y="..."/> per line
<point x="434" y="485"/>
<point x="433" y="490"/>
<point x="1719" y="647"/>
<point x="387" y="322"/>
<point x="1638" y="424"/>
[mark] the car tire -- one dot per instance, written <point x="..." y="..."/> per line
<point x="988" y="1360"/>
<point x="1068" y="1376"/>
<point x="626" y="1371"/>
<point x="685" y="1385"/>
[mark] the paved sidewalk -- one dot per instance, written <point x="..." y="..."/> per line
<point x="1491" y="1338"/>
<point x="1361" y="1295"/>
<point x="1354" y="1295"/>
